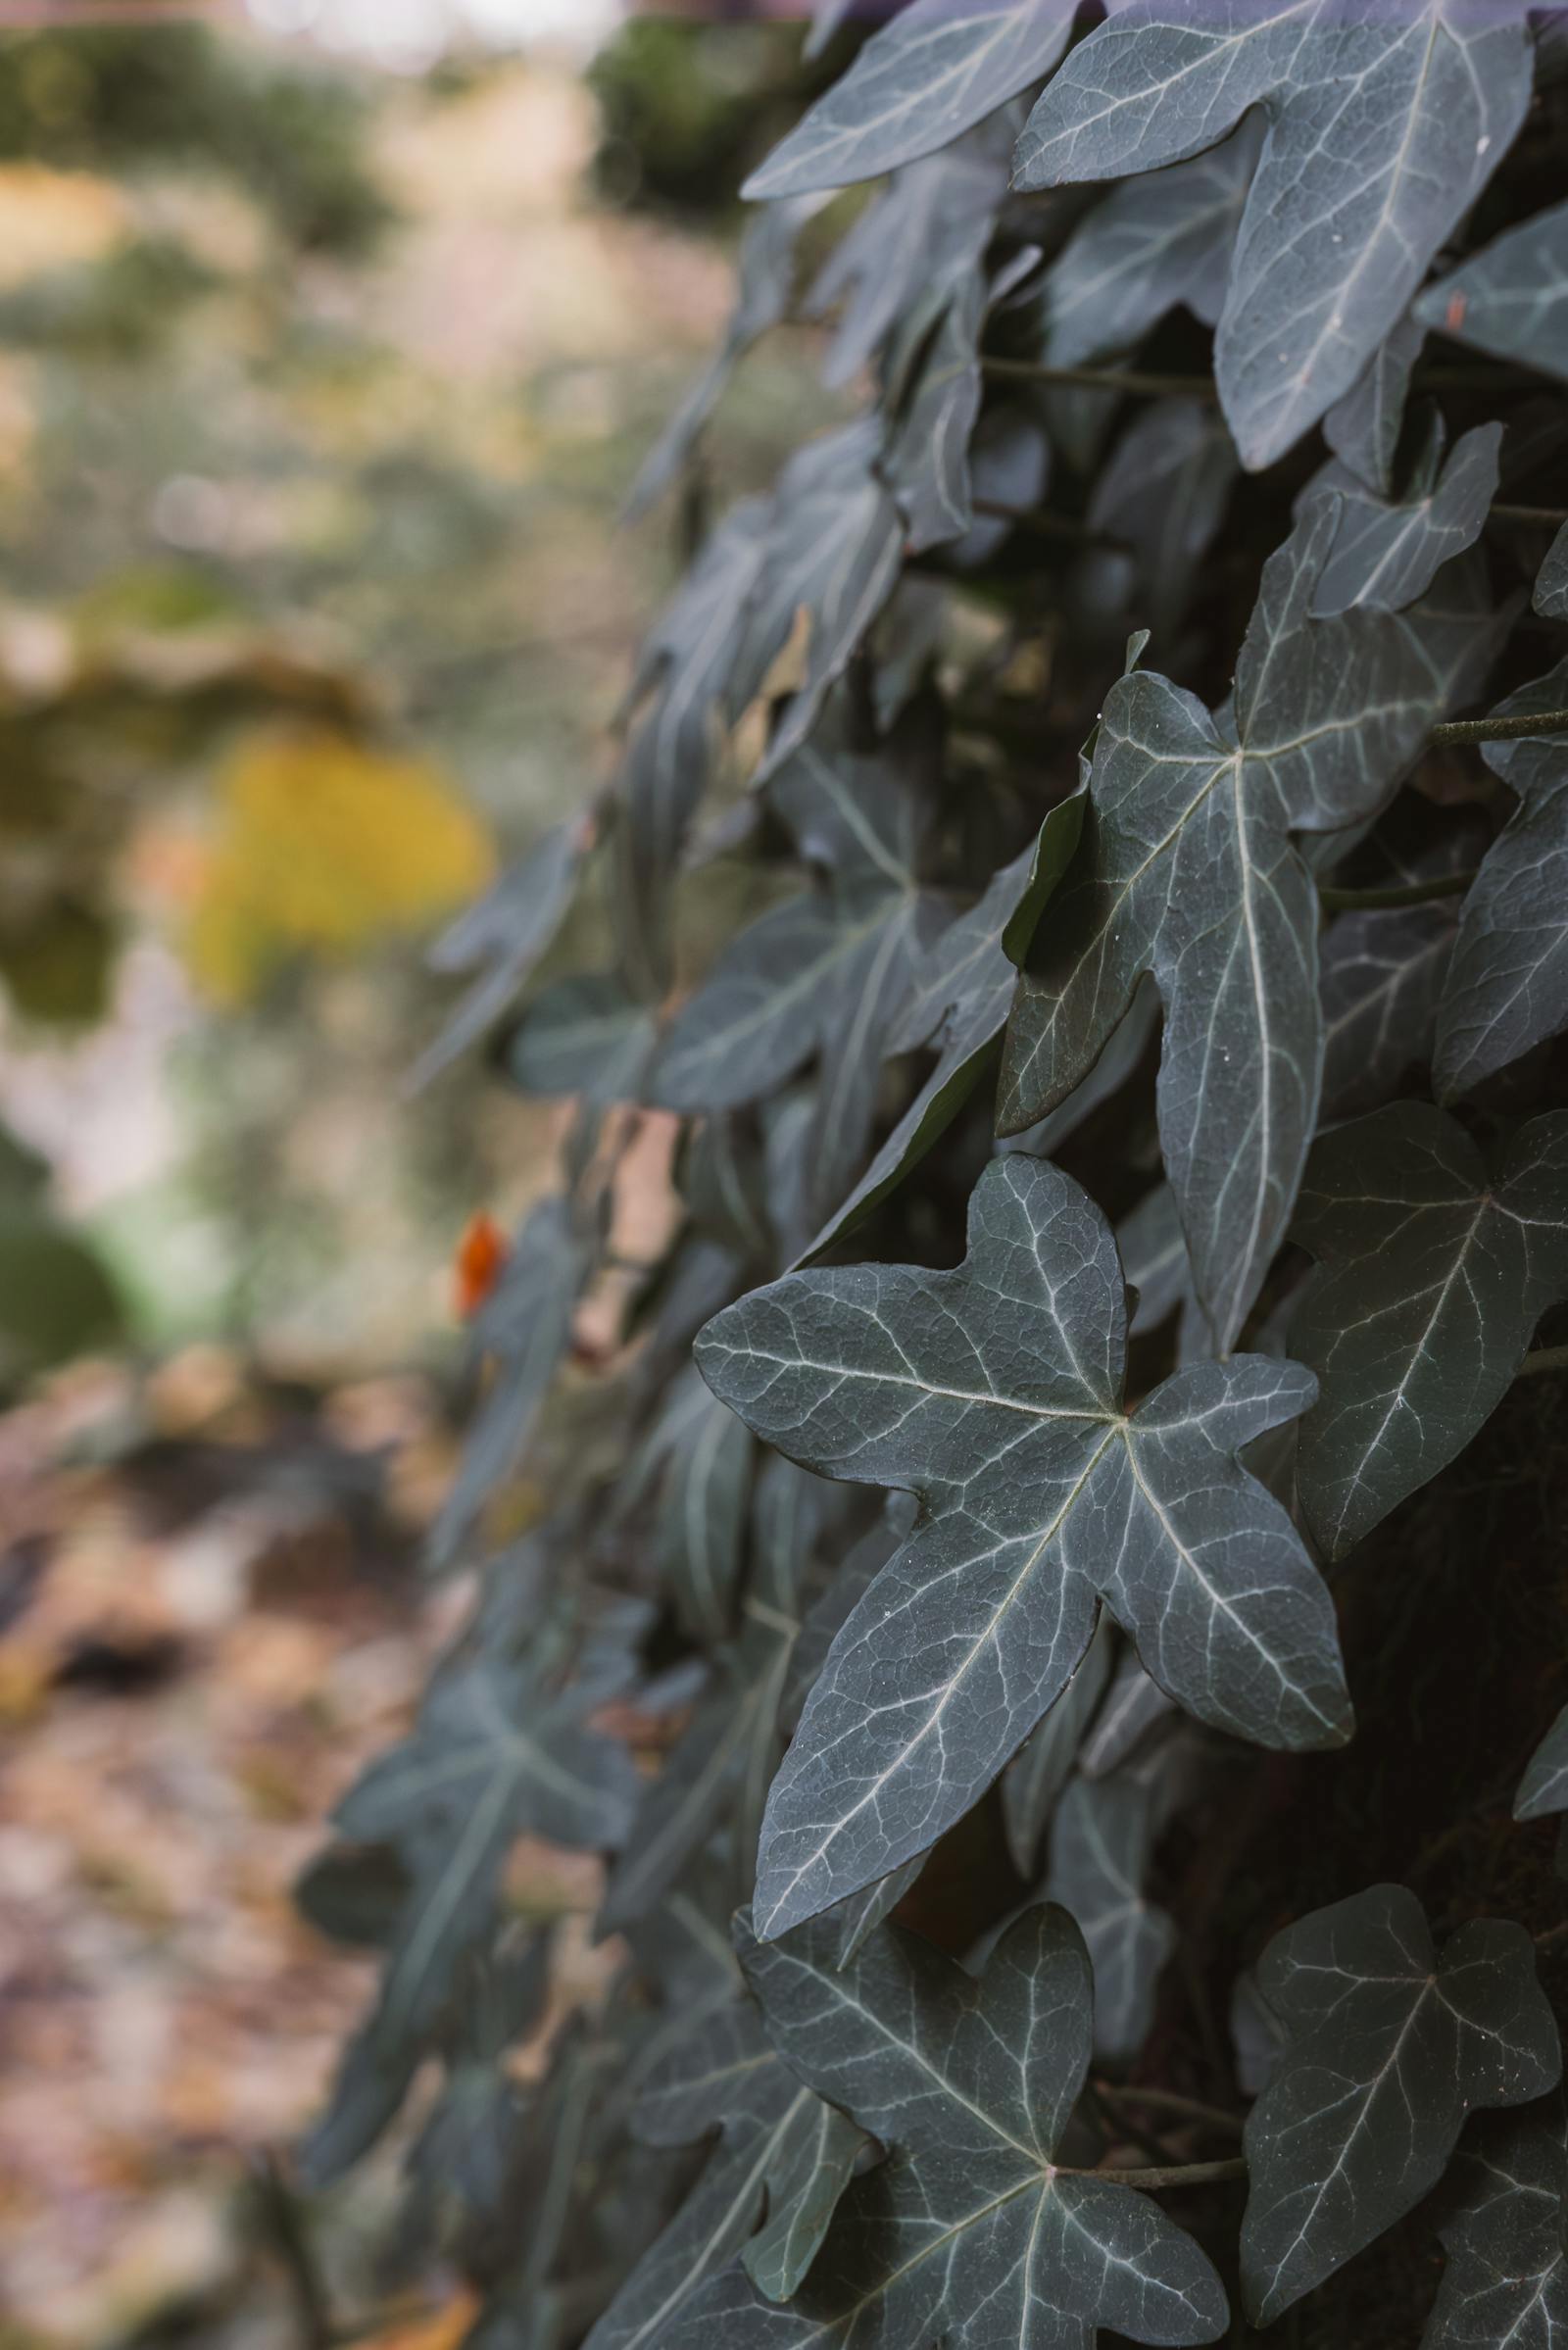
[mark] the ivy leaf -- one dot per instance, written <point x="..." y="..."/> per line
<point x="1543" y="1788"/>
<point x="1389" y="2048"/>
<point x="509" y="930"/>
<point x="1040" y="1497"/>
<point x="1506" y="2233"/>
<point x="927" y="464"/>
<point x="834" y="552"/>
<point x="1507" y="983"/>
<point x="1102" y="1843"/>
<point x="1187" y="870"/>
<point x="1157" y="239"/>
<point x="450" y="1800"/>
<point x="968" y="2234"/>
<point x="924" y="234"/>
<point x="1383" y="128"/>
<point x="825" y="972"/>
<point x="525" y="1327"/>
<point x="1387" y="554"/>
<point x="1437" y="1267"/>
<point x="1363" y="428"/>
<point x="936" y="71"/>
<point x="1551" y="588"/>
<point x="1134" y="1704"/>
<point x="689" y="663"/>
<point x="776" y="2152"/>
<point x="1040" y="1769"/>
<point x="698" y="1538"/>
<point x="1154" y="1255"/>
<point x="766" y="269"/>
<point x="1382" y="970"/>
<point x="584" y="1036"/>
<point x="957" y="1002"/>
<point x="1511" y="298"/>
<point x="1163" y="492"/>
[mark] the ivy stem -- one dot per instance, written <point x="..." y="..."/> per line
<point x="1102" y="379"/>
<point x="1551" y="515"/>
<point x="1168" y="2101"/>
<point x="1545" y="1358"/>
<point x="1153" y="2174"/>
<point x="1397" y="892"/>
<point x="1501" y="730"/>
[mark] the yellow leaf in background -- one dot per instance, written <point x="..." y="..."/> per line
<point x="327" y="844"/>
<point x="443" y="2331"/>
<point x="55" y="220"/>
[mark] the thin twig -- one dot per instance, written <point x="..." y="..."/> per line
<point x="1189" y="2174"/>
<point x="1501" y="730"/>
<point x="1397" y="892"/>
<point x="1169" y="2101"/>
<point x="1545" y="1358"/>
<point x="1551" y="515"/>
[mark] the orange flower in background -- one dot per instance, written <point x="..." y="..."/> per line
<point x="481" y="1260"/>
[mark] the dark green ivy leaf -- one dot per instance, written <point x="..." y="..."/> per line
<point x="509" y="930"/>
<point x="956" y="1004"/>
<point x="494" y="1756"/>
<point x="524" y="1329"/>
<point x="1363" y="428"/>
<point x="766" y="269"/>
<point x="932" y="74"/>
<point x="994" y="1391"/>
<point x="1384" y="126"/>
<point x="1188" y="869"/>
<point x="1506" y="2233"/>
<point x="777" y="2154"/>
<point x="1511" y="298"/>
<point x="968" y="2234"/>
<point x="1163" y="492"/>
<point x="1389" y="2048"/>
<point x="1383" y="969"/>
<point x="1157" y="239"/>
<point x="1437" y="1264"/>
<point x="825" y="972"/>
<point x="1387" y="554"/>
<point x="924" y="234"/>
<point x="584" y="1036"/>
<point x="1101" y="1841"/>
<point x="1040" y="1769"/>
<point x="1507" y="983"/>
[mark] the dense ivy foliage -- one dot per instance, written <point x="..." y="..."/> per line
<point x="996" y="1617"/>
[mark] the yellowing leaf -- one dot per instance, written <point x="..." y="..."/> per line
<point x="327" y="844"/>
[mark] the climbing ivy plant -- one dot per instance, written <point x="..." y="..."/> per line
<point x="1049" y="1610"/>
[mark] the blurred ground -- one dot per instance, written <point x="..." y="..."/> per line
<point x="311" y="615"/>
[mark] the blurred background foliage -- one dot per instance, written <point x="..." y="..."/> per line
<point x="320" y="387"/>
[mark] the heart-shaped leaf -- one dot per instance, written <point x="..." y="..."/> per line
<point x="1384" y="126"/>
<point x="1437" y="1267"/>
<point x="969" y="2233"/>
<point x="1389" y="2048"/>
<point x="936" y="71"/>
<point x="1041" y="1496"/>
